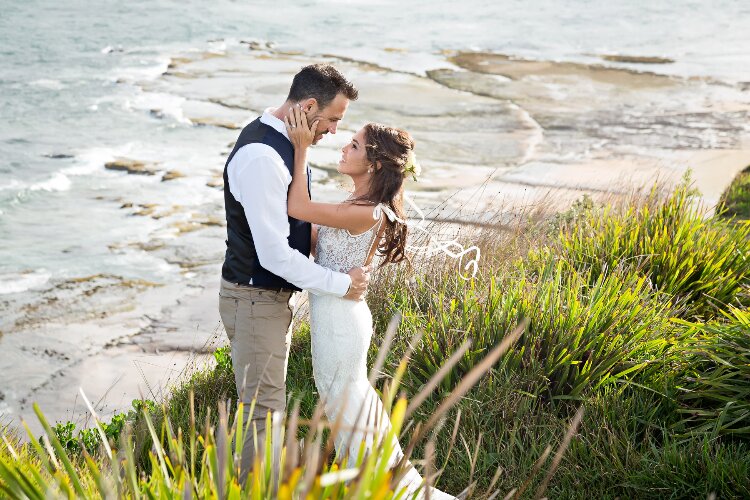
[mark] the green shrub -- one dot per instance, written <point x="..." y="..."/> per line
<point x="702" y="264"/>
<point x="712" y="377"/>
<point x="90" y="439"/>
<point x="223" y="357"/>
<point x="583" y="332"/>
<point x="735" y="201"/>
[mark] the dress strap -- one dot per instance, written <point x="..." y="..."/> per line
<point x="381" y="209"/>
<point x="377" y="213"/>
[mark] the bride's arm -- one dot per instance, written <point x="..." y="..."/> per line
<point x="354" y="218"/>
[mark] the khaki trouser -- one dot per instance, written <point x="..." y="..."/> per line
<point x="259" y="326"/>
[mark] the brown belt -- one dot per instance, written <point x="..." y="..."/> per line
<point x="269" y="288"/>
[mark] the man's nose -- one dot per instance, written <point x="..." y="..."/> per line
<point x="332" y="128"/>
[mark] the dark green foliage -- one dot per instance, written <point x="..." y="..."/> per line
<point x="66" y="435"/>
<point x="89" y="439"/>
<point x="223" y="357"/>
<point x="735" y="202"/>
<point x="712" y="377"/>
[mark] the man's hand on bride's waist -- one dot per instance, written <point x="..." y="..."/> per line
<point x="360" y="279"/>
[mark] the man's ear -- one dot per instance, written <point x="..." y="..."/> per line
<point x="309" y="105"/>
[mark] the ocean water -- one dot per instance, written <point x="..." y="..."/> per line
<point x="68" y="104"/>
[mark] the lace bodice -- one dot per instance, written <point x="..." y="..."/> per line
<point x="341" y="251"/>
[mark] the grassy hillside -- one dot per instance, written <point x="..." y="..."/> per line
<point x="629" y="375"/>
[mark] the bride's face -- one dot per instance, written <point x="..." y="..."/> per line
<point x="353" y="156"/>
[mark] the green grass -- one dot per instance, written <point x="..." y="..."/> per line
<point x="699" y="263"/>
<point x="735" y="201"/>
<point x="712" y="377"/>
<point x="634" y="312"/>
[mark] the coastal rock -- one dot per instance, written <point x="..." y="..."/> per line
<point x="174" y="209"/>
<point x="146" y="246"/>
<point x="58" y="156"/>
<point x="80" y="298"/>
<point x="145" y="209"/>
<point x="517" y="69"/>
<point x="581" y="108"/>
<point x="198" y="222"/>
<point x="153" y="210"/>
<point x="175" y="61"/>
<point x="254" y="45"/>
<point x="215" y="123"/>
<point x="180" y="60"/>
<point x="171" y="175"/>
<point x="637" y="59"/>
<point x="130" y="166"/>
<point x="178" y="74"/>
<point x="186" y="226"/>
<point x="210" y="220"/>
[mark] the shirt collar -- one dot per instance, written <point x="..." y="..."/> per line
<point x="274" y="122"/>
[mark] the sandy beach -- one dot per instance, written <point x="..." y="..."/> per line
<point x="491" y="130"/>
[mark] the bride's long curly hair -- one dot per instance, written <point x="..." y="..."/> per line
<point x="388" y="149"/>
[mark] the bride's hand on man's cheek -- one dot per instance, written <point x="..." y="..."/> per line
<point x="300" y="133"/>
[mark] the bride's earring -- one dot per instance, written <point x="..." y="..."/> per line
<point x="369" y="170"/>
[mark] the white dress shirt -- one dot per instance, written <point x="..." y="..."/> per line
<point x="259" y="181"/>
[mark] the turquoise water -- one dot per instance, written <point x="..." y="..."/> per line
<point x="64" y="112"/>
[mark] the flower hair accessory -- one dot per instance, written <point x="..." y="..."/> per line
<point x="411" y="166"/>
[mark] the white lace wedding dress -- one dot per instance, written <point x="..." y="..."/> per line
<point x="340" y="332"/>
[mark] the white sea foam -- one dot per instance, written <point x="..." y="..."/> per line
<point x="134" y="74"/>
<point x="47" y="83"/>
<point x="20" y="282"/>
<point x="58" y="182"/>
<point x="12" y="185"/>
<point x="90" y="161"/>
<point x="109" y="49"/>
<point x="156" y="102"/>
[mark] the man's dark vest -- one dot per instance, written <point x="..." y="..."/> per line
<point x="241" y="262"/>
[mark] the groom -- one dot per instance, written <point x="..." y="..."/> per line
<point x="267" y="258"/>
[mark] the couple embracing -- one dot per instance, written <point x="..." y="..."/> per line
<point x="272" y="229"/>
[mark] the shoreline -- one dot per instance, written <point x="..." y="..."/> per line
<point x="528" y="150"/>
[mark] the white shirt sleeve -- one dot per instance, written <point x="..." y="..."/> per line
<point x="259" y="180"/>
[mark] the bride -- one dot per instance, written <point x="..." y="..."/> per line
<point x="378" y="159"/>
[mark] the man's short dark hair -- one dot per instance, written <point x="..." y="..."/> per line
<point x="323" y="82"/>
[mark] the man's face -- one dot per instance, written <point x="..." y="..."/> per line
<point x="329" y="117"/>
